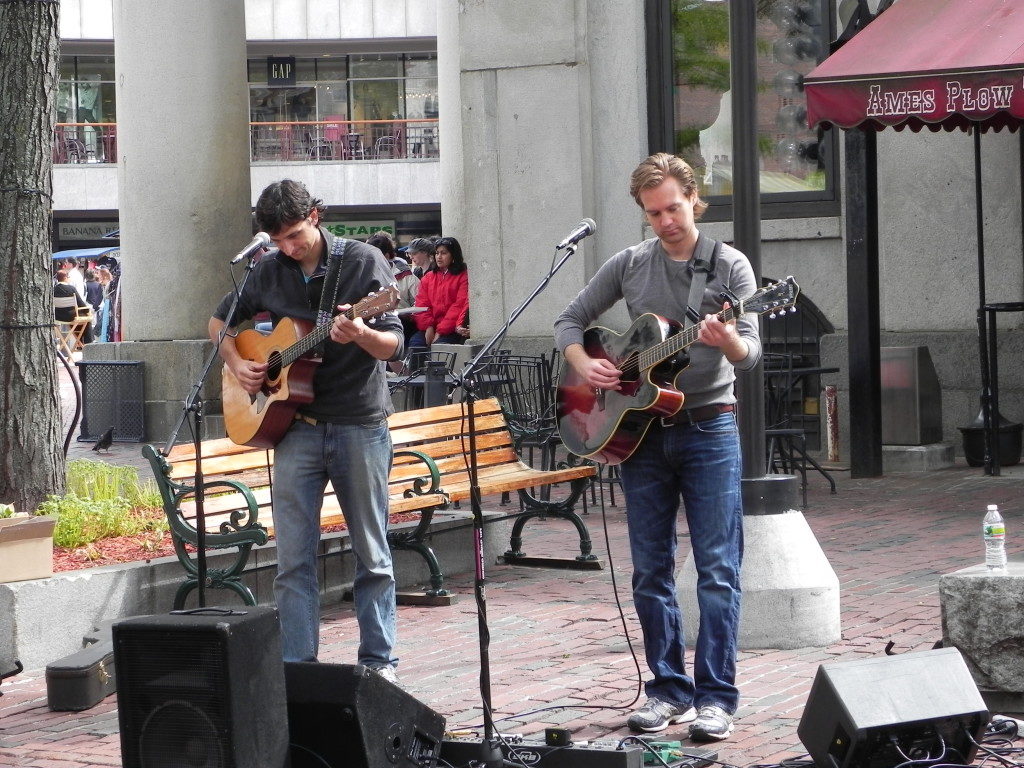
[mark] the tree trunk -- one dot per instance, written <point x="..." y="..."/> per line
<point x="31" y="439"/>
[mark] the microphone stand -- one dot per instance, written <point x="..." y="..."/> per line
<point x="491" y="755"/>
<point x="194" y="405"/>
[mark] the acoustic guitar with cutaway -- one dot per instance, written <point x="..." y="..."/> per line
<point x="261" y="419"/>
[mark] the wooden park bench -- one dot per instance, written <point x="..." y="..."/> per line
<point x="429" y="473"/>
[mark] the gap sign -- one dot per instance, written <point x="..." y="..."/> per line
<point x="280" y="70"/>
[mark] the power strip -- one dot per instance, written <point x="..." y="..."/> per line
<point x="535" y="753"/>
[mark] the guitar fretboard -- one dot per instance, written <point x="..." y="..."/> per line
<point x="308" y="342"/>
<point x="664" y="350"/>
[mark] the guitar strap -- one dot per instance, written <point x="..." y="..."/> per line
<point x="701" y="268"/>
<point x="329" y="297"/>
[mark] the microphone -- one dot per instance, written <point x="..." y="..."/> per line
<point x="585" y="228"/>
<point x="260" y="242"/>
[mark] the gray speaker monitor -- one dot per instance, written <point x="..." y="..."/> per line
<point x="881" y="712"/>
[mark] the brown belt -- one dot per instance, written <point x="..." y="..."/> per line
<point x="693" y="415"/>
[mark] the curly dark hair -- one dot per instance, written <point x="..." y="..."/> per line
<point x="284" y="203"/>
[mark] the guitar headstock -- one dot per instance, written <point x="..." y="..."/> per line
<point x="773" y="298"/>
<point x="377" y="303"/>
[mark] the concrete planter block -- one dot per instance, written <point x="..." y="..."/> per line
<point x="983" y="616"/>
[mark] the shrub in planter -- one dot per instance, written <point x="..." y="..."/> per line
<point x="103" y="501"/>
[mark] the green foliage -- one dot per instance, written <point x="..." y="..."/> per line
<point x="6" y="510"/>
<point x="100" y="481"/>
<point x="103" y="501"/>
<point x="700" y="44"/>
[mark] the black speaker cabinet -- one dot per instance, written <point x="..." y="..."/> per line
<point x="347" y="716"/>
<point x="880" y="712"/>
<point x="201" y="690"/>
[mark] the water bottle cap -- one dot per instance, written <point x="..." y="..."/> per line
<point x="993" y="506"/>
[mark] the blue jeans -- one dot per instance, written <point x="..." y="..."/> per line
<point x="702" y="464"/>
<point x="356" y="458"/>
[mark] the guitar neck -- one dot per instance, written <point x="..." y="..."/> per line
<point x="307" y="343"/>
<point x="673" y="344"/>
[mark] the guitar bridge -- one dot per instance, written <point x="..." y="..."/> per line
<point x="599" y="398"/>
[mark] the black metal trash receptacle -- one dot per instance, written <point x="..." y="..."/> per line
<point x="112" y="395"/>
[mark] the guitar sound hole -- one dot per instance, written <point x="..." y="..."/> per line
<point x="273" y="366"/>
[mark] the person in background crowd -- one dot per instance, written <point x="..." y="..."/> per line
<point x="693" y="455"/>
<point x="421" y="253"/>
<point x="408" y="283"/>
<point x="93" y="296"/>
<point x="105" y="278"/>
<point x="93" y="290"/>
<point x="408" y="286"/>
<point x="63" y="289"/>
<point x="75" y="277"/>
<point x="342" y="435"/>
<point x="444" y="293"/>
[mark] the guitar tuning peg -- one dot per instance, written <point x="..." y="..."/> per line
<point x="771" y="315"/>
<point x="792" y="310"/>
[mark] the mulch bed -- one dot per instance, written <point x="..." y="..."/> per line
<point x="131" y="549"/>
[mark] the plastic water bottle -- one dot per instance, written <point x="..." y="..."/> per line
<point x="994" y="531"/>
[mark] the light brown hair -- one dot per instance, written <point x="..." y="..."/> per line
<point x="653" y="171"/>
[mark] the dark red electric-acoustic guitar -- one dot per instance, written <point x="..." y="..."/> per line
<point x="607" y="425"/>
<point x="261" y="420"/>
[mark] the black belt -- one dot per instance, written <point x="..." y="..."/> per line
<point x="694" y="415"/>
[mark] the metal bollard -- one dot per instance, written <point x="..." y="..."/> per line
<point x="832" y="422"/>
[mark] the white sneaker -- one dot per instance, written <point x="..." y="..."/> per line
<point x="389" y="673"/>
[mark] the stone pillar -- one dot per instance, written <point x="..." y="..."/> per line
<point x="790" y="592"/>
<point x="183" y="174"/>
<point x="547" y="103"/>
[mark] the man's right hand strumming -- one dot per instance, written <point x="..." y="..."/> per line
<point x="249" y="374"/>
<point x="596" y="371"/>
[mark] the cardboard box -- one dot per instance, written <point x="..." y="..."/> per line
<point x="26" y="548"/>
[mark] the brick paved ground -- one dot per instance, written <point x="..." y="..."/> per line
<point x="556" y="636"/>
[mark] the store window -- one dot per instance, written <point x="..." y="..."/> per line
<point x="86" y="90"/>
<point x="691" y="100"/>
<point x="355" y="87"/>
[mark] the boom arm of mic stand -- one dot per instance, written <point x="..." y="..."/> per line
<point x="194" y="405"/>
<point x="491" y="756"/>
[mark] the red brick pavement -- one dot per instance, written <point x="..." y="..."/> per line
<point x="557" y="639"/>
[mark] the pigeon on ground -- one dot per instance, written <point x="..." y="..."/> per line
<point x="105" y="441"/>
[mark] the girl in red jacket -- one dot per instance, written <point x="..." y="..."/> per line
<point x="444" y="292"/>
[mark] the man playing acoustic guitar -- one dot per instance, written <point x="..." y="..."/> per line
<point x="693" y="454"/>
<point x="340" y="435"/>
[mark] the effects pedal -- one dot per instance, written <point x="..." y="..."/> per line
<point x="537" y="753"/>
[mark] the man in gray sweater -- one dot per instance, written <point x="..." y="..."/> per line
<point x="693" y="455"/>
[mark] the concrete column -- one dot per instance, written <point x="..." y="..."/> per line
<point x="183" y="185"/>
<point x="790" y="592"/>
<point x="183" y="160"/>
<point x="543" y="139"/>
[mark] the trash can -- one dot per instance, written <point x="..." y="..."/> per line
<point x="112" y="396"/>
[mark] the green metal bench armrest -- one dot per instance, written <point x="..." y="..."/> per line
<point x="242" y="528"/>
<point x="420" y="484"/>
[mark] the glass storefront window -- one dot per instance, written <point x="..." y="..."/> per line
<point x="376" y="90"/>
<point x="85" y="93"/>
<point x="331" y="100"/>
<point x="332" y="68"/>
<point x="791" y="38"/>
<point x="376" y="100"/>
<point x="375" y="65"/>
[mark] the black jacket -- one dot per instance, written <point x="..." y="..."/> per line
<point x="349" y="385"/>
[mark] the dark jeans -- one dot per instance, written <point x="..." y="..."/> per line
<point x="699" y="463"/>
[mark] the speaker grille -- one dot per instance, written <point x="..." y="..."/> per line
<point x="202" y="689"/>
<point x="179" y="734"/>
<point x="173" y="683"/>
